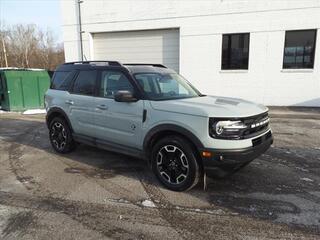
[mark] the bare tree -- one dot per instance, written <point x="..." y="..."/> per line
<point x="30" y="47"/>
<point x="46" y="44"/>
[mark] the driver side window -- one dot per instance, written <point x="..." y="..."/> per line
<point x="113" y="81"/>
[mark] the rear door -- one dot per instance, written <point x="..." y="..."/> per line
<point x="81" y="102"/>
<point x="117" y="122"/>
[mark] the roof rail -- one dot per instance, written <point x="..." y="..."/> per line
<point x="110" y="63"/>
<point x="145" y="64"/>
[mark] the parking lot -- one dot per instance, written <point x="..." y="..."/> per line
<point x="95" y="194"/>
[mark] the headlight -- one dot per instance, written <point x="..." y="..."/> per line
<point x="226" y="129"/>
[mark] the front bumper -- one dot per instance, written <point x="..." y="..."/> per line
<point x="226" y="162"/>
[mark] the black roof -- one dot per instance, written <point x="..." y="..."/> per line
<point x="131" y="67"/>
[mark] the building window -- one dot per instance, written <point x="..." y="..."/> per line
<point x="299" y="49"/>
<point x="235" y="51"/>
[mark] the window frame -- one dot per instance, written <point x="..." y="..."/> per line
<point x="75" y="78"/>
<point x="313" y="54"/>
<point x="235" y="69"/>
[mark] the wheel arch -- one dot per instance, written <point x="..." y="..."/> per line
<point x="163" y="130"/>
<point x="57" y="112"/>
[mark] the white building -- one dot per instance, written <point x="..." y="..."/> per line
<point x="240" y="48"/>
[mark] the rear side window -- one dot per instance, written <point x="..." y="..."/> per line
<point x="85" y="83"/>
<point x="62" y="80"/>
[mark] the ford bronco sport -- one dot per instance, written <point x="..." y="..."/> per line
<point x="150" y="111"/>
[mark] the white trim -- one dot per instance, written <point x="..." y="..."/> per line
<point x="298" y="70"/>
<point x="234" y="71"/>
<point x="140" y="29"/>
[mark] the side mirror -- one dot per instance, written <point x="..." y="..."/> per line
<point x="124" y="96"/>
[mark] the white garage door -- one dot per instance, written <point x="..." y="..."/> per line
<point x="150" y="46"/>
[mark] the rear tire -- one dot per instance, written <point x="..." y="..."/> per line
<point x="175" y="164"/>
<point x="60" y="136"/>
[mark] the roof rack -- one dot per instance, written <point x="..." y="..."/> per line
<point x="145" y="64"/>
<point x="110" y="63"/>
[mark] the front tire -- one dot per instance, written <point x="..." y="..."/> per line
<point x="60" y="136"/>
<point x="175" y="163"/>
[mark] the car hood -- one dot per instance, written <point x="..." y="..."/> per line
<point x="210" y="106"/>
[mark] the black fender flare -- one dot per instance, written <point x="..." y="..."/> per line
<point x="59" y="111"/>
<point x="173" y="128"/>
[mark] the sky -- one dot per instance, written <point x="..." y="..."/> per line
<point x="44" y="13"/>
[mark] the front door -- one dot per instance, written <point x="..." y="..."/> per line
<point x="81" y="103"/>
<point x="117" y="122"/>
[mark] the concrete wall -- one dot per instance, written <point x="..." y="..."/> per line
<point x="201" y="25"/>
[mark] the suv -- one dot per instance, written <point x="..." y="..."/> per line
<point x="151" y="112"/>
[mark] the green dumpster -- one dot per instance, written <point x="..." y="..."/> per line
<point x="22" y="89"/>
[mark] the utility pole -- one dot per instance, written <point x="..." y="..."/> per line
<point x="5" y="52"/>
<point x="80" y="28"/>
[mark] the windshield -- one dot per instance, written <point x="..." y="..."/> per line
<point x="167" y="86"/>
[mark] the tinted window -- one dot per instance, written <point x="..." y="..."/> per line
<point x="62" y="80"/>
<point x="113" y="81"/>
<point x="85" y="83"/>
<point x="235" y="51"/>
<point x="299" y="49"/>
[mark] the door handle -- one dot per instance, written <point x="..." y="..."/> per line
<point x="102" y="107"/>
<point x="69" y="102"/>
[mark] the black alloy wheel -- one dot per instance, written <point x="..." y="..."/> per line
<point x="172" y="164"/>
<point x="175" y="164"/>
<point x="60" y="136"/>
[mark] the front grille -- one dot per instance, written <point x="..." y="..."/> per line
<point x="255" y="125"/>
<point x="259" y="140"/>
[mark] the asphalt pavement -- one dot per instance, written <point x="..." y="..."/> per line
<point x="95" y="194"/>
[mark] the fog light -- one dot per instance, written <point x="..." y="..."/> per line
<point x="206" y="154"/>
